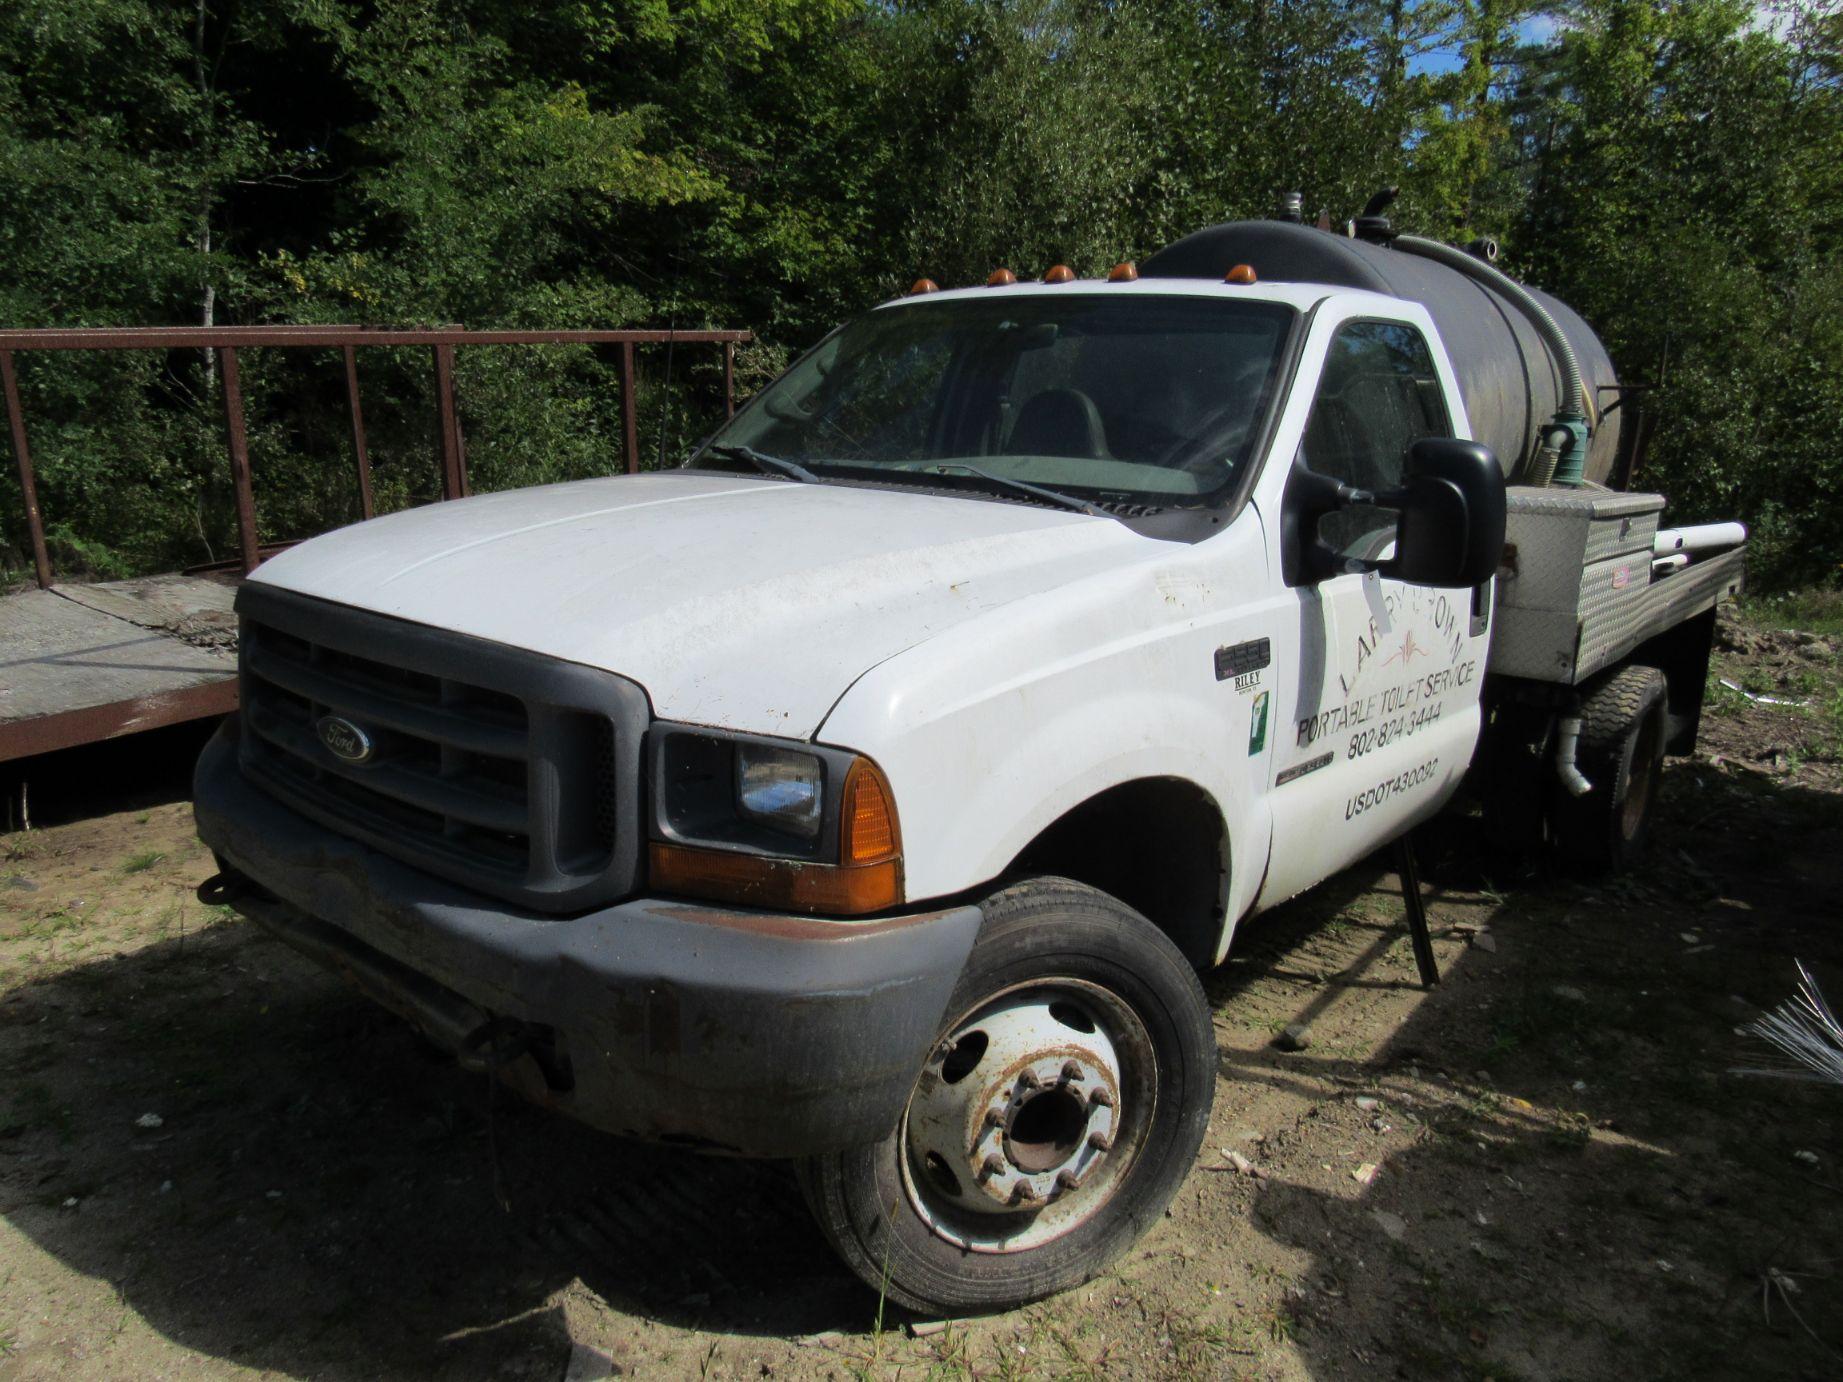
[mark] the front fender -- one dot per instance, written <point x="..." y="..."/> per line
<point x="992" y="733"/>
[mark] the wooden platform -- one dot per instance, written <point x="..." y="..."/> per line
<point x="80" y="663"/>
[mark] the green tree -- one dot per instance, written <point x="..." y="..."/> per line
<point x="1674" y="169"/>
<point x="1686" y="197"/>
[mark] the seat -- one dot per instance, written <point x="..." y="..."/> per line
<point x="1058" y="422"/>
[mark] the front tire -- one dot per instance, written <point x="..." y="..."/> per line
<point x="1061" y="1108"/>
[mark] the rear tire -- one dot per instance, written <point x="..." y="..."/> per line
<point x="1057" y="1116"/>
<point x="1624" y="725"/>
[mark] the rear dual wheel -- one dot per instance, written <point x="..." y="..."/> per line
<point x="1058" y="1113"/>
<point x="1624" y="727"/>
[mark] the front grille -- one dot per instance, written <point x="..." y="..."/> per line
<point x="504" y="771"/>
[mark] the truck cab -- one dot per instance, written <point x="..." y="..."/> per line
<point x="1180" y="651"/>
<point x="869" y="791"/>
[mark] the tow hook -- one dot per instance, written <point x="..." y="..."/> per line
<point x="494" y="1044"/>
<point x="223" y="889"/>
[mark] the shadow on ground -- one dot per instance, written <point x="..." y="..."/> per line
<point x="1588" y="1188"/>
<point x="313" y="1156"/>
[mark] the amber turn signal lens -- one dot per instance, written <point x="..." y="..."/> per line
<point x="924" y="285"/>
<point x="787" y="885"/>
<point x="1001" y="278"/>
<point x="866" y="821"/>
<point x="1126" y="272"/>
<point x="1241" y="273"/>
<point x="1062" y="273"/>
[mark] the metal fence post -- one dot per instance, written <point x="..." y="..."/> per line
<point x="630" y="424"/>
<point x="226" y="341"/>
<point x="239" y="459"/>
<point x="454" y="469"/>
<point x="28" y="486"/>
<point x="361" y="454"/>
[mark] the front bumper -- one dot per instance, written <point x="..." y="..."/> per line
<point x="737" y="1031"/>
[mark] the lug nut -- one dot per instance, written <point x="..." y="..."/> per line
<point x="1067" y="1180"/>
<point x="1025" y="1193"/>
<point x="993" y="1165"/>
<point x="1028" y="1080"/>
<point x="1100" y="1098"/>
<point x="1100" y="1141"/>
<point x="1072" y="1071"/>
<point x="993" y="1117"/>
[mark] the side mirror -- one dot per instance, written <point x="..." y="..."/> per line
<point x="1451" y="502"/>
<point x="1448" y="519"/>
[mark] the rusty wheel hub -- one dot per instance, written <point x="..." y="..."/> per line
<point x="1021" y="1124"/>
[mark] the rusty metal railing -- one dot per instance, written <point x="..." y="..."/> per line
<point x="451" y="451"/>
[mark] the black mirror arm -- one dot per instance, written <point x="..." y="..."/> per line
<point x="1311" y="495"/>
<point x="1346" y="495"/>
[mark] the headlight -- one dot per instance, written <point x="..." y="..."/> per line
<point x="781" y="788"/>
<point x="772" y="824"/>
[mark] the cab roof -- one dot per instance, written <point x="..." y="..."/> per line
<point x="1301" y="297"/>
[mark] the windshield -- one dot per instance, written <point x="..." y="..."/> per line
<point x="1135" y="399"/>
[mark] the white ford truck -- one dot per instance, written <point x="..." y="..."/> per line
<point x="869" y="791"/>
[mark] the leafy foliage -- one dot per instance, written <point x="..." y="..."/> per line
<point x="1674" y="168"/>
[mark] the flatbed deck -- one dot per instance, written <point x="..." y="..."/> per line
<point x="82" y="662"/>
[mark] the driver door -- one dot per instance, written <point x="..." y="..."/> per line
<point x="1387" y="711"/>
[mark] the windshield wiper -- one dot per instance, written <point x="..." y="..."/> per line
<point x="1067" y="501"/>
<point x="768" y="465"/>
<point x="793" y="470"/>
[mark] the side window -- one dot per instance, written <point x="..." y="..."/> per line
<point x="1378" y="394"/>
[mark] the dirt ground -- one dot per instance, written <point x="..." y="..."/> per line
<point x="215" y="1161"/>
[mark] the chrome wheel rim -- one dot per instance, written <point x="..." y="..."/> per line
<point x="1027" y="1116"/>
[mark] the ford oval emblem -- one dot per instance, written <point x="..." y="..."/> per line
<point x="344" y="740"/>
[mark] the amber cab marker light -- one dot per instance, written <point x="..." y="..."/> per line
<point x="1242" y="274"/>
<point x="1126" y="272"/>
<point x="1001" y="278"/>
<point x="1062" y="273"/>
<point x="924" y="285"/>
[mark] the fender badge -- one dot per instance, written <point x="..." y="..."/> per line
<point x="1299" y="770"/>
<point x="1257" y="725"/>
<point x="343" y="739"/>
<point x="1242" y="661"/>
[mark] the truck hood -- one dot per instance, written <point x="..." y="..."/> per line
<point x="751" y="604"/>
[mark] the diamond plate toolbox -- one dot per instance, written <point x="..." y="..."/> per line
<point x="1577" y="566"/>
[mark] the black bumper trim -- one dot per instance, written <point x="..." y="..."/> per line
<point x="755" y="1033"/>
